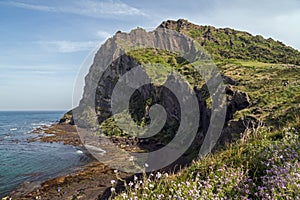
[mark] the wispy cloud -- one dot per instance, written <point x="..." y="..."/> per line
<point x="90" y="8"/>
<point x="65" y="46"/>
<point x="30" y="6"/>
<point x="103" y="34"/>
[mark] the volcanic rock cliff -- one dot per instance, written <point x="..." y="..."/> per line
<point x="221" y="44"/>
<point x="95" y="107"/>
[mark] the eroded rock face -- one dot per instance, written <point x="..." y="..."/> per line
<point x="101" y="81"/>
<point x="237" y="100"/>
<point x="143" y="98"/>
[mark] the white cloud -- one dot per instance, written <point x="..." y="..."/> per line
<point x="90" y="8"/>
<point x="94" y="8"/>
<point x="103" y="34"/>
<point x="64" y="46"/>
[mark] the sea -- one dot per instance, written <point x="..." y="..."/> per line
<point x="22" y="161"/>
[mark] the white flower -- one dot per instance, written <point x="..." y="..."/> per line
<point x="131" y="158"/>
<point x="135" y="178"/>
<point x="146" y="165"/>
<point x="151" y="186"/>
<point x="112" y="182"/>
<point x="112" y="189"/>
<point x="124" y="195"/>
<point x="158" y="175"/>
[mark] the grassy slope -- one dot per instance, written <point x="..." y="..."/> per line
<point x="241" y="170"/>
<point x="265" y="161"/>
<point x="272" y="102"/>
<point x="232" y="44"/>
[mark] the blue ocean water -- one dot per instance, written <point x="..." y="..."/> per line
<point x="22" y="161"/>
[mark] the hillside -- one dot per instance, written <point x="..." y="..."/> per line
<point x="257" y="153"/>
<point x="263" y="163"/>
<point x="226" y="43"/>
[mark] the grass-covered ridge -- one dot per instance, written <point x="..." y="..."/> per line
<point x="229" y="43"/>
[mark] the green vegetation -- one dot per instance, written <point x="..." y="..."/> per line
<point x="158" y="65"/>
<point x="264" y="162"/>
<point x="231" y="44"/>
<point x="261" y="165"/>
<point x="273" y="89"/>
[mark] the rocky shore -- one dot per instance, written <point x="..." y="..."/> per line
<point x="92" y="181"/>
<point x="64" y="133"/>
<point x="88" y="182"/>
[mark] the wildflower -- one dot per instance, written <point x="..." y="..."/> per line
<point x="131" y="158"/>
<point x="112" y="182"/>
<point x="124" y="195"/>
<point x="158" y="175"/>
<point x="130" y="184"/>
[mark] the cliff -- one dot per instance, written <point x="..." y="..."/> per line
<point x="222" y="44"/>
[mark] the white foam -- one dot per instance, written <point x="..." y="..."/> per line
<point x="79" y="152"/>
<point x="94" y="149"/>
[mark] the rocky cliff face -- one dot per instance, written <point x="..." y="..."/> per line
<point x="95" y="107"/>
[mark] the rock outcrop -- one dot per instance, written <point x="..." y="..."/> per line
<point x="67" y="118"/>
<point x="101" y="81"/>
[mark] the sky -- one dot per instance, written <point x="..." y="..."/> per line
<point x="45" y="46"/>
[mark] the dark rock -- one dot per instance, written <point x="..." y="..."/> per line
<point x="237" y="100"/>
<point x="67" y="118"/>
<point x="285" y="82"/>
<point x="228" y="80"/>
<point x="235" y="129"/>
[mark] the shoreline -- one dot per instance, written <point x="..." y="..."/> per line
<point x="89" y="181"/>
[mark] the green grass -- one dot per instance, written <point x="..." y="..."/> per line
<point x="277" y="107"/>
<point x="244" y="170"/>
<point x="232" y="44"/>
<point x="263" y="82"/>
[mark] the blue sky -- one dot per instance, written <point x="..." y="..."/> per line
<point x="43" y="44"/>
